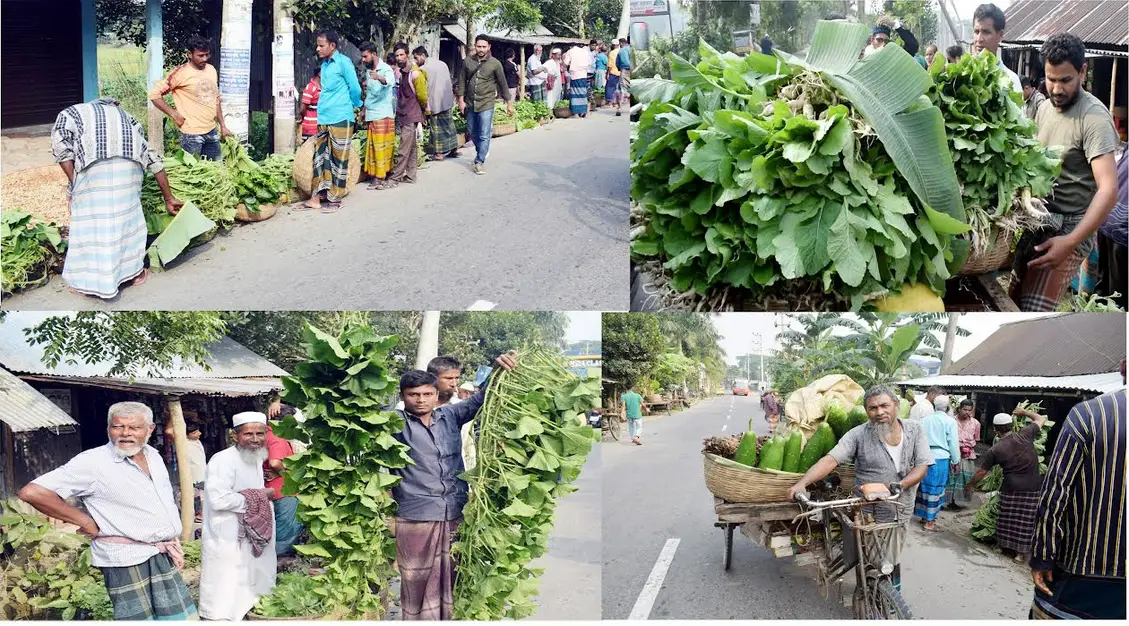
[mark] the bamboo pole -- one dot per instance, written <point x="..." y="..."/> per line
<point x="521" y="75"/>
<point x="1113" y="86"/>
<point x="180" y="444"/>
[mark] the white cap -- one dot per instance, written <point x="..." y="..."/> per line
<point x="1001" y="419"/>
<point x="249" y="417"/>
<point x="467" y="386"/>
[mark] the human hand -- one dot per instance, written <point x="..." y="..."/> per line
<point x="796" y="490"/>
<point x="173" y="205"/>
<point x="178" y="119"/>
<point x="507" y="361"/>
<point x="89" y="529"/>
<point x="225" y="132"/>
<point x="462" y="106"/>
<point x="1041" y="578"/>
<point x="510" y="108"/>
<point x="1056" y="251"/>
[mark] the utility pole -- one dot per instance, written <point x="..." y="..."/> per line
<point x="428" y="339"/>
<point x="950" y="340"/>
<point x="282" y="71"/>
<point x="155" y="46"/>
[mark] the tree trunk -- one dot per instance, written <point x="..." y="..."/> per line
<point x="468" y="19"/>
<point x="428" y="339"/>
<point x="180" y="445"/>
<point x="950" y="340"/>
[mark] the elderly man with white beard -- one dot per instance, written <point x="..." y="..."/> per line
<point x="131" y="516"/>
<point x="237" y="558"/>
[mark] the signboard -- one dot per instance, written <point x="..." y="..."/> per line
<point x="282" y="74"/>
<point x="647" y="8"/>
<point x="235" y="66"/>
<point x="755" y="14"/>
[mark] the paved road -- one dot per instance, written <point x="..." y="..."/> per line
<point x="655" y="493"/>
<point x="545" y="229"/>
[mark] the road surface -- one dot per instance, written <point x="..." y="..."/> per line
<point x="544" y="229"/>
<point x="655" y="495"/>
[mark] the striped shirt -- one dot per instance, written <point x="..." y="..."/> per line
<point x="91" y="131"/>
<point x="122" y="500"/>
<point x="1080" y="522"/>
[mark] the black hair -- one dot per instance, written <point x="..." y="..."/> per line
<point x="441" y="364"/>
<point x="1025" y="81"/>
<point x="317" y="71"/>
<point x="482" y="37"/>
<point x="592" y="42"/>
<point x="329" y="35"/>
<point x="369" y="46"/>
<point x="199" y="43"/>
<point x="630" y="386"/>
<point x="954" y="51"/>
<point x="935" y="390"/>
<point x="835" y="16"/>
<point x="1064" y="47"/>
<point x="622" y="40"/>
<point x="417" y="378"/>
<point x="400" y="46"/>
<point x="420" y="50"/>
<point x="510" y="53"/>
<point x="191" y="428"/>
<point x="966" y="402"/>
<point x="992" y="11"/>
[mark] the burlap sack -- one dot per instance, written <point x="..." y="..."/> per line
<point x="804" y="408"/>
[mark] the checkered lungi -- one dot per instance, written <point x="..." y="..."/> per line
<point x="149" y="590"/>
<point x="427" y="569"/>
<point x="1042" y="289"/>
<point x="954" y="491"/>
<point x="443" y="138"/>
<point x="931" y="493"/>
<point x="624" y="91"/>
<point x="379" y="147"/>
<point x="331" y="160"/>
<point x="536" y="92"/>
<point x="1015" y="529"/>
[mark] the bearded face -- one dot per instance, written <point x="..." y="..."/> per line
<point x="251" y="441"/>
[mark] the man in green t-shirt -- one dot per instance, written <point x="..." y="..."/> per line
<point x="633" y="411"/>
<point x="1086" y="189"/>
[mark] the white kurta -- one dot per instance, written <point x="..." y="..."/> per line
<point x="553" y="95"/>
<point x="231" y="579"/>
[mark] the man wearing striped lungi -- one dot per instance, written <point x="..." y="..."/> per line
<point x="340" y="95"/>
<point x="430" y="495"/>
<point x="535" y="83"/>
<point x="380" y="115"/>
<point x="941" y="432"/>
<point x="103" y="152"/>
<point x="1019" y="495"/>
<point x="968" y="435"/>
<point x="130" y="516"/>
<point x="578" y="62"/>
<point x="443" y="139"/>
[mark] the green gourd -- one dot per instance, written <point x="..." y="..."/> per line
<point x="827" y="437"/>
<point x="837" y="418"/>
<point x="772" y="454"/>
<point x="747" y="449"/>
<point x="792" y="451"/>
<point x="812" y="452"/>
<point x="858" y="416"/>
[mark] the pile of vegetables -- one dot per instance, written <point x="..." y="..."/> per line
<point x="30" y="249"/>
<point x="268" y="182"/>
<point x="342" y="479"/>
<point x="294" y="595"/>
<point x="529" y="114"/>
<point x="210" y="185"/>
<point x="531" y="446"/>
<point x="502" y="117"/>
<point x="787" y="451"/>
<point x="755" y="171"/>
<point x="1003" y="169"/>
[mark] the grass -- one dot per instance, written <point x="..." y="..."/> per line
<point x="121" y="75"/>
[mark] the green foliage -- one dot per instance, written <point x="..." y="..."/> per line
<point x="257" y="183"/>
<point x="919" y="16"/>
<point x="192" y="556"/>
<point x="633" y="344"/>
<point x="294" y="595"/>
<point x="181" y="20"/>
<point x="210" y="185"/>
<point x="758" y="170"/>
<point x="995" y="478"/>
<point x="984" y="522"/>
<point x="29" y="250"/>
<point x="531" y="447"/>
<point x="134" y="341"/>
<point x="528" y="114"/>
<point x="1093" y="303"/>
<point x="673" y="369"/>
<point x="342" y="480"/>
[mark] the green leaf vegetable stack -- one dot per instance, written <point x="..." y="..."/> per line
<point x="531" y="446"/>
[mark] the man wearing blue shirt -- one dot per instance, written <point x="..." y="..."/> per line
<point x="340" y="97"/>
<point x="944" y="442"/>
<point x="380" y="115"/>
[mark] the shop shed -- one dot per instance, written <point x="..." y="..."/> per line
<point x="35" y="434"/>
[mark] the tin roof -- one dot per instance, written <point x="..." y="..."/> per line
<point x="540" y="35"/>
<point x="1097" y="383"/>
<point x="227" y="387"/>
<point x="23" y="408"/>
<point x="1061" y="345"/>
<point x="227" y="359"/>
<point x="1097" y="23"/>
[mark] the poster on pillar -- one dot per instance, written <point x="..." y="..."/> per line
<point x="282" y="74"/>
<point x="235" y="66"/>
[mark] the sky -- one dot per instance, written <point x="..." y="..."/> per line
<point x="583" y="325"/>
<point x="737" y="330"/>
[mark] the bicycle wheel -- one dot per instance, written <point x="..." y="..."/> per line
<point x="614" y="428"/>
<point x="886" y="602"/>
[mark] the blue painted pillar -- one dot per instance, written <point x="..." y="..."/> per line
<point x="89" y="51"/>
<point x="155" y="48"/>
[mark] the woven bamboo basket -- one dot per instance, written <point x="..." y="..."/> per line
<point x="996" y="257"/>
<point x="562" y="113"/>
<point x="734" y="482"/>
<point x="266" y="211"/>
<point x="304" y="168"/>
<point x="505" y="129"/>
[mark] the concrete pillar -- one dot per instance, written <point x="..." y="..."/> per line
<point x="155" y="47"/>
<point x="428" y="339"/>
<point x="89" y="51"/>
<point x="282" y="73"/>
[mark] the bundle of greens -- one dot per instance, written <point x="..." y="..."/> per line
<point x="995" y="478"/>
<point x="752" y="172"/>
<point x="531" y="446"/>
<point x="280" y="168"/>
<point x="502" y="117"/>
<point x="254" y="184"/>
<point x="1003" y="169"/>
<point x="294" y="595"/>
<point x="342" y="478"/>
<point x="30" y="249"/>
<point x="984" y="522"/>
<point x="209" y="185"/>
<point x="529" y="114"/>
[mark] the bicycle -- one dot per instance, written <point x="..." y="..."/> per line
<point x="876" y="548"/>
<point x="610" y="424"/>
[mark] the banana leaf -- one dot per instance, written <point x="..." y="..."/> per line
<point x="188" y="223"/>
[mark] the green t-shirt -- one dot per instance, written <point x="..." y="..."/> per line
<point x="1085" y="131"/>
<point x="633" y="402"/>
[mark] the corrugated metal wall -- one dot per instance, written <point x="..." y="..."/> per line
<point x="40" y="60"/>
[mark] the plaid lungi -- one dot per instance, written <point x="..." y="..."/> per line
<point x="931" y="494"/>
<point x="443" y="138"/>
<point x="536" y="92"/>
<point x="578" y="96"/>
<point x="427" y="570"/>
<point x="954" y="491"/>
<point x="107" y="236"/>
<point x="379" y="147"/>
<point x="149" y="590"/>
<point x="1080" y="597"/>
<point x="331" y="160"/>
<point x="624" y="91"/>
<point x="1015" y="529"/>
<point x="1042" y="289"/>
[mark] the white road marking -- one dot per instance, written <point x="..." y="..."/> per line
<point x="481" y="305"/>
<point x="646" y="600"/>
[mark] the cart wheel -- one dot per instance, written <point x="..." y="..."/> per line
<point x="728" y="558"/>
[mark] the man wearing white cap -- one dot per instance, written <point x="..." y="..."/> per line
<point x="1019" y="495"/>
<point x="466" y="390"/>
<point x="238" y="557"/>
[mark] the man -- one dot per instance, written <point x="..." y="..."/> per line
<point x="412" y="110"/>
<point x="287" y="526"/>
<point x="923" y="407"/>
<point x="880" y="36"/>
<point x="968" y="435"/>
<point x="633" y="411"/>
<point x="1086" y="189"/>
<point x="593" y="54"/>
<point x="95" y="143"/>
<point x="1031" y="97"/>
<point x="197" y="465"/>
<point x="766" y="44"/>
<point x="611" y="91"/>
<point x="511" y="69"/>
<point x="536" y="74"/>
<point x="481" y="82"/>
<point x="466" y="390"/>
<point x="340" y="96"/>
<point x="601" y="75"/>
<point x="237" y="547"/>
<point x="941" y="433"/>
<point x="447" y="371"/>
<point x="430" y="495"/>
<point x="885" y="450"/>
<point x="578" y="62"/>
<point x="623" y="63"/>
<point x="953" y="53"/>
<point x="771" y="408"/>
<point x="1019" y="495"/>
<point x="930" y="55"/>
<point x="1109" y="271"/>
<point x="195" y="92"/>
<point x="443" y="139"/>
<point x="1078" y="558"/>
<point x="554" y="85"/>
<point x="987" y="33"/>
<point x="308" y="106"/>
<point x="128" y="513"/>
<point x="380" y="115"/>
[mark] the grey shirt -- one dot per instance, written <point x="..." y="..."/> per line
<point x="431" y="490"/>
<point x="862" y="446"/>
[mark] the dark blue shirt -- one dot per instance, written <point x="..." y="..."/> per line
<point x="431" y="490"/>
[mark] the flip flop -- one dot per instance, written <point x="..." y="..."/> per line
<point x="330" y="207"/>
<point x="302" y="206"/>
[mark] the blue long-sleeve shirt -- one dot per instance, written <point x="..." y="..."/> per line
<point x="340" y="91"/>
<point x="941" y="431"/>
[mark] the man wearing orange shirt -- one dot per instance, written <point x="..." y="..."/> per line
<point x="195" y="92"/>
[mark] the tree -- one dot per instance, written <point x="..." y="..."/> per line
<point x="633" y="345"/>
<point x="478" y="337"/>
<point x="920" y="16"/>
<point x="695" y="336"/>
<point x="181" y="20"/>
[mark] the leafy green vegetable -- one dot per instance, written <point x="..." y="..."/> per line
<point x="529" y="114"/>
<point x="210" y="185"/>
<point x="531" y="446"/>
<point x="984" y="522"/>
<point x="28" y="250"/>
<point x="294" y="595"/>
<point x="177" y="236"/>
<point x="1092" y="304"/>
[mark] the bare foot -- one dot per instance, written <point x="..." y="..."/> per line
<point x="141" y="278"/>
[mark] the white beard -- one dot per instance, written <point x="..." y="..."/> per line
<point x="253" y="457"/>
<point x="134" y="450"/>
<point x="884" y="430"/>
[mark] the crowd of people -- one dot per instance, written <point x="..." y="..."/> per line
<point x="126" y="504"/>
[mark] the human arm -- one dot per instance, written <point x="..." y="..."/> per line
<point x="954" y="443"/>
<point x="459" y="87"/>
<point x="467" y="410"/>
<point x="987" y="462"/>
<point x="909" y="42"/>
<point x="1070" y="452"/>
<point x="47" y="494"/>
<point x="921" y="459"/>
<point x="1038" y="420"/>
<point x="157" y="96"/>
<point x="420" y="84"/>
<point x="819" y="471"/>
<point x="503" y="87"/>
<point x="346" y="69"/>
<point x="224" y="132"/>
<point x="219" y="483"/>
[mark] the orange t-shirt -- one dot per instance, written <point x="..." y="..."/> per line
<point x="195" y="93"/>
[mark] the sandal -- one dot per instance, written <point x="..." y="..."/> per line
<point x="140" y="278"/>
<point x="330" y="207"/>
<point x="302" y="206"/>
<point x="386" y="185"/>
